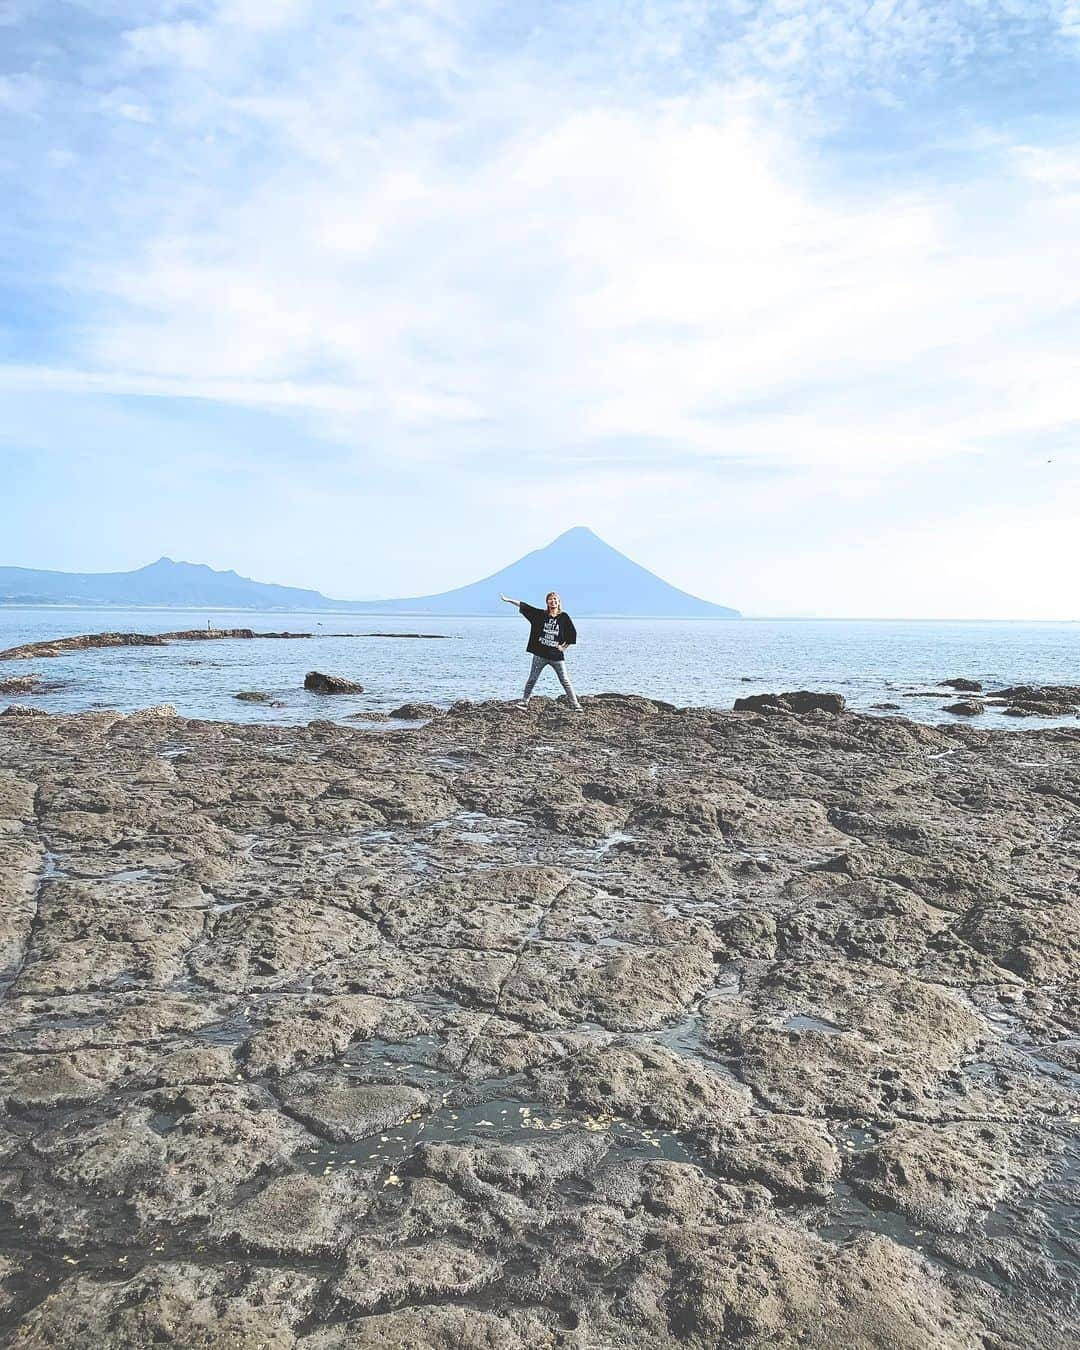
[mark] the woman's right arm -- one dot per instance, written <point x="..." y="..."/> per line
<point x="506" y="599"/>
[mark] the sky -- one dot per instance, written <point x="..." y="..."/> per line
<point x="780" y="297"/>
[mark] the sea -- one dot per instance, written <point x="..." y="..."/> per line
<point x="683" y="661"/>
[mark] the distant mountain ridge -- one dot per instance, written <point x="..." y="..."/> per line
<point x="593" y="578"/>
<point x="164" y="582"/>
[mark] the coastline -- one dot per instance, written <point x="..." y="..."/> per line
<point x="651" y="1028"/>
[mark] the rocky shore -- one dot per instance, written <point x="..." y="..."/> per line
<point x="646" y="1028"/>
<point x="84" y="642"/>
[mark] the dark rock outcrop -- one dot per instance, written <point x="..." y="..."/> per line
<point x="1038" y="709"/>
<point x="253" y="696"/>
<point x="969" y="707"/>
<point x="23" y="684"/>
<point x="1039" y="700"/>
<point x="1039" y="693"/>
<point x="318" y="683"/>
<point x="415" y="712"/>
<point x="963" y="686"/>
<point x="794" y="701"/>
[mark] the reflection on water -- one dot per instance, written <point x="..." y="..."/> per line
<point x="702" y="662"/>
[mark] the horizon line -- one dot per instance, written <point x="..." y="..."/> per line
<point x="607" y="618"/>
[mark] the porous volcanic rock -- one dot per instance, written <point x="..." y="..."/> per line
<point x="654" y="1028"/>
<point x="939" y="1176"/>
<point x="337" y="1108"/>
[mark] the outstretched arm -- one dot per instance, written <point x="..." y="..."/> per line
<point x="506" y="600"/>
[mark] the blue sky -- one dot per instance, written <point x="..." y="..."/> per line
<point x="782" y="297"/>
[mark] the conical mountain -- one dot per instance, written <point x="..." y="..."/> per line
<point x="591" y="577"/>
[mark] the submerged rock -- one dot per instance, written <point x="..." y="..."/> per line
<point x="22" y="684"/>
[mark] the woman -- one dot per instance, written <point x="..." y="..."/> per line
<point x="551" y="631"/>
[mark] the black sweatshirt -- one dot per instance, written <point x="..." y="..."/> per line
<point x="545" y="632"/>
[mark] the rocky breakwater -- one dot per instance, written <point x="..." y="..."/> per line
<point x="647" y="1028"/>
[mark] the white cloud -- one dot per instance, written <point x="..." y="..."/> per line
<point x="520" y="271"/>
<point x="621" y="242"/>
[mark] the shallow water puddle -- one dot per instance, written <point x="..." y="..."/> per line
<point x="808" y="1022"/>
<point x="844" y="1217"/>
<point x="1047" y="1222"/>
<point x="502" y="1121"/>
<point x="614" y="840"/>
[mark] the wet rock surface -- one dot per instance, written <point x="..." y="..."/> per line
<point x="414" y="712"/>
<point x="794" y="701"/>
<point x="644" y="1028"/>
<point x="319" y="683"/>
<point x="23" y="684"/>
<point x="1027" y="700"/>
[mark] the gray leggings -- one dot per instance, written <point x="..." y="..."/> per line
<point x="559" y="667"/>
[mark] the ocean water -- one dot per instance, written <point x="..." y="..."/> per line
<point x="701" y="662"/>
